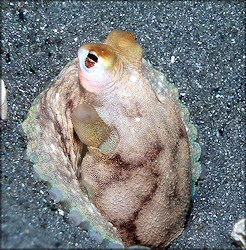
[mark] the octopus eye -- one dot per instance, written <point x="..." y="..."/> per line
<point x="98" y="66"/>
<point x="90" y="60"/>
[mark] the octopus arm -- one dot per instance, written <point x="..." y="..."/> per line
<point x="56" y="150"/>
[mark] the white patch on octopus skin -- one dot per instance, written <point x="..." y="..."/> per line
<point x="57" y="96"/>
<point x="133" y="78"/>
<point x="52" y="146"/>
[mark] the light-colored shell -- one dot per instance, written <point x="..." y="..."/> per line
<point x="239" y="233"/>
<point x="4" y="102"/>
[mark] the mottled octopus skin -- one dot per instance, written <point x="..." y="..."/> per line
<point x="142" y="185"/>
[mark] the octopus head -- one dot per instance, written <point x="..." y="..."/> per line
<point x="101" y="65"/>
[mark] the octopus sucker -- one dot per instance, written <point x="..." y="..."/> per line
<point x="116" y="146"/>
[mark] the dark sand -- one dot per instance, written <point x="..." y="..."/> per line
<point x="207" y="40"/>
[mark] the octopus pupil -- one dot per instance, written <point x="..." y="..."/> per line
<point x="92" y="57"/>
<point x="90" y="60"/>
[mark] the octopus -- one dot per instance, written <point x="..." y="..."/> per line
<point x="111" y="138"/>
